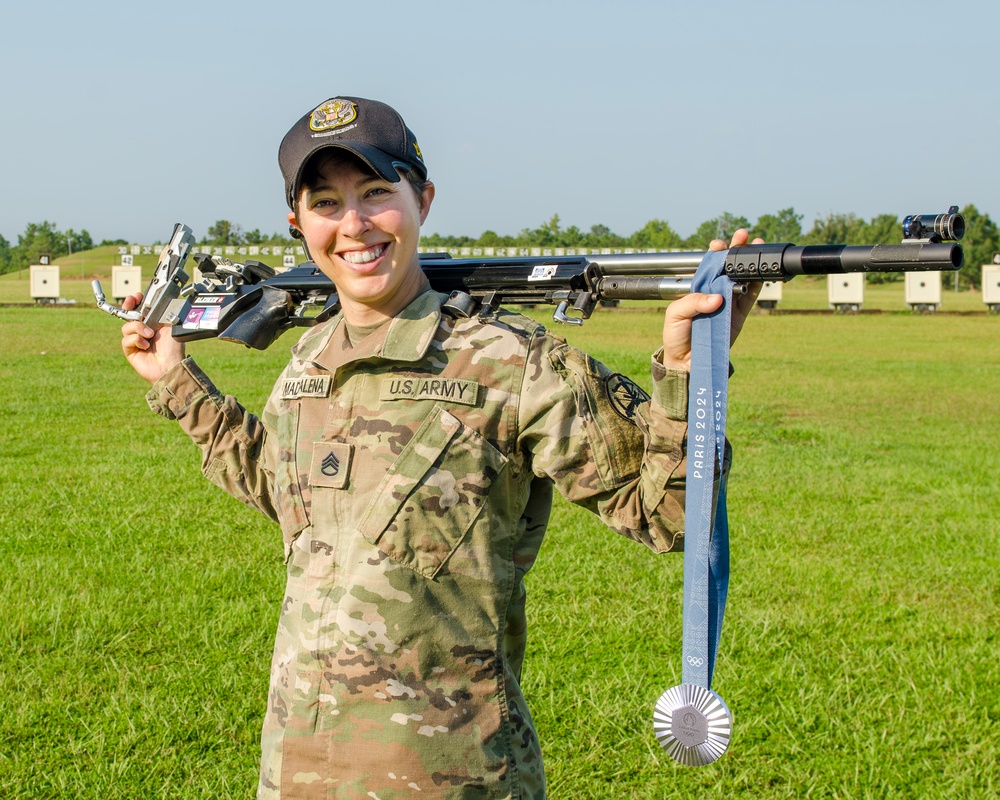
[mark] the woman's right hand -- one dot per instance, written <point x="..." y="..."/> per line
<point x="151" y="353"/>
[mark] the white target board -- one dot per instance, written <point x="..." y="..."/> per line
<point x="846" y="291"/>
<point x="923" y="289"/>
<point x="44" y="282"/>
<point x="770" y="294"/>
<point x="125" y="281"/>
<point x="991" y="285"/>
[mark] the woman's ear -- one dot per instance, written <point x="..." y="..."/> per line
<point x="426" y="198"/>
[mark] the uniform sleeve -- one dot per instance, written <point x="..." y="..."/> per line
<point x="607" y="446"/>
<point x="233" y="442"/>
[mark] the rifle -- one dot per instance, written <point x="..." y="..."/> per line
<point x="252" y="304"/>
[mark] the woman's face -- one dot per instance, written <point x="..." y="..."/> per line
<point x="362" y="231"/>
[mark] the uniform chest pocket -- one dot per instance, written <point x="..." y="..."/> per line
<point x="432" y="494"/>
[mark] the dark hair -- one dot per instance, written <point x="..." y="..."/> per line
<point x="339" y="157"/>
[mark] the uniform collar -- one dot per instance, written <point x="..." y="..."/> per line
<point x="406" y="338"/>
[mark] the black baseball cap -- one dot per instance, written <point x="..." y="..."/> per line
<point x="371" y="130"/>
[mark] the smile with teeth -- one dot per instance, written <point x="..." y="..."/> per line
<point x="363" y="256"/>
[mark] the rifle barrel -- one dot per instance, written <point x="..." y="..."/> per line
<point x="638" y="287"/>
<point x="667" y="263"/>
<point x="905" y="257"/>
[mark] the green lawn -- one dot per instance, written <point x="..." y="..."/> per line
<point x="860" y="651"/>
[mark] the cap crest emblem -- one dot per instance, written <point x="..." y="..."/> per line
<point x="333" y="114"/>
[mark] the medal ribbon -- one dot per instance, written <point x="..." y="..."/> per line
<point x="706" y="534"/>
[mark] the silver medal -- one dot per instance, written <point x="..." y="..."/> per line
<point x="692" y="724"/>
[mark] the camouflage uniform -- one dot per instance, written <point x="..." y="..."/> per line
<point x="412" y="477"/>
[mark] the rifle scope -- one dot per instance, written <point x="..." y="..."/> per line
<point x="948" y="227"/>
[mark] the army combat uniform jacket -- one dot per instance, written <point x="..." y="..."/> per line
<point x="412" y="477"/>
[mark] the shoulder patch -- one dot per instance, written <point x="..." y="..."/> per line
<point x="625" y="395"/>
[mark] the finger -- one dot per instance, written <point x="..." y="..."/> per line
<point x="693" y="305"/>
<point x="740" y="237"/>
<point x="136" y="337"/>
<point x="139" y="328"/>
<point x="134" y="343"/>
<point x="132" y="301"/>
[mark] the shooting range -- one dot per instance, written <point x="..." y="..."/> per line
<point x="859" y="654"/>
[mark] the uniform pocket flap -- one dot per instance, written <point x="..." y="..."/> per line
<point x="432" y="494"/>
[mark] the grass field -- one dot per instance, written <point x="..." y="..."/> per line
<point x="860" y="650"/>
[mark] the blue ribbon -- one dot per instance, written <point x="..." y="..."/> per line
<point x="706" y="535"/>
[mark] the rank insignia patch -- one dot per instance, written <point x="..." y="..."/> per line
<point x="625" y="395"/>
<point x="330" y="465"/>
<point x="331" y="462"/>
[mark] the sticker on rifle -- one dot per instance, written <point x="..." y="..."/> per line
<point x="210" y="319"/>
<point x="625" y="395"/>
<point x="543" y="272"/>
<point x="193" y="318"/>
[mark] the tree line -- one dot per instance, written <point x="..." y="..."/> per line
<point x="981" y="242"/>
<point x="45" y="238"/>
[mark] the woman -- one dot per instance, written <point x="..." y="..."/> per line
<point x="410" y="455"/>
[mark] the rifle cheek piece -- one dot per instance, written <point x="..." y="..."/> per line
<point x="264" y="322"/>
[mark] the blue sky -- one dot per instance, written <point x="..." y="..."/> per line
<point x="127" y="118"/>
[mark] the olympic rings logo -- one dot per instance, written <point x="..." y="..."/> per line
<point x="694" y="661"/>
